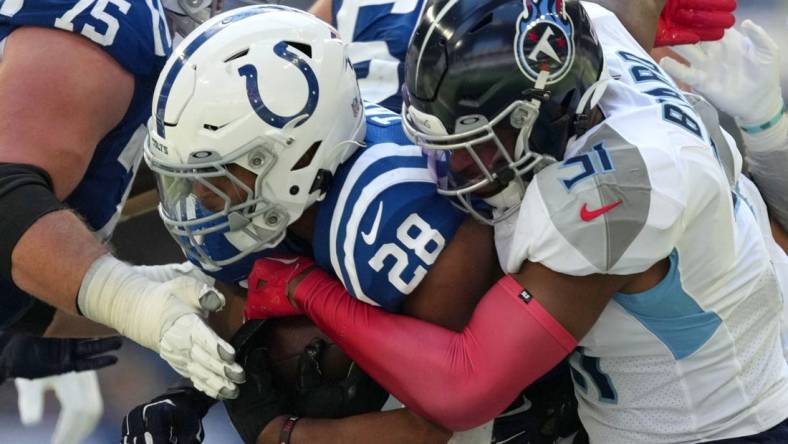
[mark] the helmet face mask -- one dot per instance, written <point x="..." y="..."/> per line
<point x="252" y="115"/>
<point x="477" y="70"/>
<point x="484" y="161"/>
<point x="218" y="197"/>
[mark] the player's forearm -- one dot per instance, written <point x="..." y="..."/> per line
<point x="401" y="426"/>
<point x="458" y="380"/>
<point x="54" y="276"/>
<point x="322" y="9"/>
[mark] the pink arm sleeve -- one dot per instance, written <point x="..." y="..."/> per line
<point x="458" y="380"/>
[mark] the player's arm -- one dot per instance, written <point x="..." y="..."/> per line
<point x="322" y="9"/>
<point x="61" y="94"/>
<point x="512" y="339"/>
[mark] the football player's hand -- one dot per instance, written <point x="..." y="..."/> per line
<point x="684" y="22"/>
<point x="167" y="317"/>
<point x="174" y="417"/>
<point x="260" y="400"/>
<point x="270" y="281"/>
<point x="33" y="357"/>
<point x="317" y="398"/>
<point x="80" y="404"/>
<point x="192" y="348"/>
<point x="739" y="74"/>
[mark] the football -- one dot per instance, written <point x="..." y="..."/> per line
<point x="286" y="339"/>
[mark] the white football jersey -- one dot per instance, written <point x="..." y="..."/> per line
<point x="698" y="357"/>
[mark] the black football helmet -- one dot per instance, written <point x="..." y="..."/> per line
<point x="487" y="74"/>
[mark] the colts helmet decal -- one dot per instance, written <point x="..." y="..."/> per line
<point x="543" y="41"/>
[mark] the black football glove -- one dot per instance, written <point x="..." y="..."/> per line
<point x="259" y="399"/>
<point x="550" y="416"/>
<point x="319" y="398"/>
<point x="172" y="418"/>
<point x="32" y="357"/>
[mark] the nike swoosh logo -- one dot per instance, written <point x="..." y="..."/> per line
<point x="589" y="215"/>
<point x="369" y="238"/>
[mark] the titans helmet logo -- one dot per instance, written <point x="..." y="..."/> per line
<point x="544" y="40"/>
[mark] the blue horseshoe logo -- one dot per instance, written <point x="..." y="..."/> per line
<point x="253" y="92"/>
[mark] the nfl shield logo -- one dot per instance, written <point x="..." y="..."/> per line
<point x="544" y="40"/>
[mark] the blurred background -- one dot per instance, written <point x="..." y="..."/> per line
<point x="140" y="374"/>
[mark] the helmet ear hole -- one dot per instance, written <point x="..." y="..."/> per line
<point x="307" y="158"/>
<point x="237" y="55"/>
<point x="303" y="47"/>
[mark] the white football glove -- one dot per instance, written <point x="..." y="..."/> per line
<point x="166" y="317"/>
<point x="738" y="74"/>
<point x="80" y="400"/>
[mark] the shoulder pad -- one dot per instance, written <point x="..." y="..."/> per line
<point x="613" y="208"/>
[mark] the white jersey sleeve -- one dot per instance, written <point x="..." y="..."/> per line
<point x="617" y="206"/>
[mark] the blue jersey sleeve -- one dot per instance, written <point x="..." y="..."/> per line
<point x="133" y="32"/>
<point x="383" y="224"/>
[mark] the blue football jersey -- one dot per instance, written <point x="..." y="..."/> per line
<point x="379" y="32"/>
<point x="135" y="34"/>
<point x="382" y="224"/>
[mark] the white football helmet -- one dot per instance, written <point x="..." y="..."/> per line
<point x="263" y="92"/>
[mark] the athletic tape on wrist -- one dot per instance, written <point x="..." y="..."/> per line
<point x="755" y="129"/>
